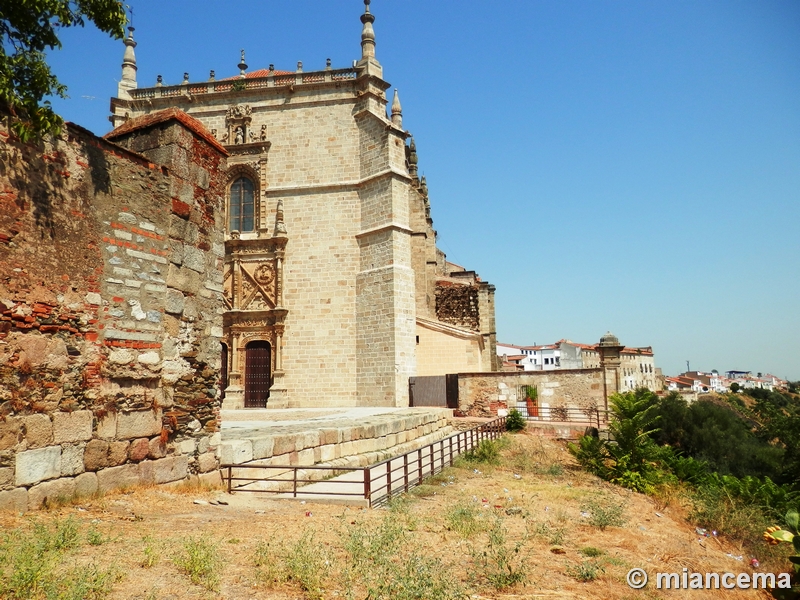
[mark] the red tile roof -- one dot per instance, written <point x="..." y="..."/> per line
<point x="162" y="116"/>
<point x="259" y="73"/>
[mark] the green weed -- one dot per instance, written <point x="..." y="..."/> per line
<point x="500" y="563"/>
<point x="309" y="565"/>
<point x="605" y="512"/>
<point x="150" y="553"/>
<point x="199" y="560"/>
<point x="587" y="570"/>
<point x="465" y="519"/>
<point x="592" y="552"/>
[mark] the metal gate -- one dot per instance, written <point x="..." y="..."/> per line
<point x="257" y="374"/>
<point x="433" y="390"/>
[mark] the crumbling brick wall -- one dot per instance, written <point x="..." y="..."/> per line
<point x="457" y="304"/>
<point x="109" y="350"/>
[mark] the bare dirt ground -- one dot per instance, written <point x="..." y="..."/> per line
<point x="534" y="516"/>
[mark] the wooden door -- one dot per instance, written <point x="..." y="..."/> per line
<point x="257" y="373"/>
<point x="223" y="375"/>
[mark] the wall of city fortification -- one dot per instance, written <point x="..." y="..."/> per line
<point x="109" y="322"/>
<point x="483" y="394"/>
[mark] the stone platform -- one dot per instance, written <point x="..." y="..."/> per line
<point x="335" y="436"/>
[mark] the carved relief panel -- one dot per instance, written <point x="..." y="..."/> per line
<point x="237" y="123"/>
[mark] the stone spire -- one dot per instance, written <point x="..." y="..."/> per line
<point x="397" y="111"/>
<point x="280" y="226"/>
<point x="412" y="159"/>
<point x="368" y="63"/>
<point x="128" y="81"/>
<point x="367" y="33"/>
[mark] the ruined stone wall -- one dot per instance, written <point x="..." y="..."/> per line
<point x="458" y="305"/>
<point x="108" y="351"/>
<point x="482" y="394"/>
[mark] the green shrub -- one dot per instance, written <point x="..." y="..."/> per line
<point x="488" y="452"/>
<point x="515" y="421"/>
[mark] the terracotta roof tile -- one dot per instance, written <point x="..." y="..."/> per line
<point x="162" y="116"/>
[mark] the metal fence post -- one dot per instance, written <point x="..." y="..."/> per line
<point x="389" y="478"/>
<point x="367" y="486"/>
<point x="294" y="482"/>
<point x="419" y="466"/>
<point x="230" y="475"/>
<point x="405" y="471"/>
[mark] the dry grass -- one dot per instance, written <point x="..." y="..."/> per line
<point x="516" y="529"/>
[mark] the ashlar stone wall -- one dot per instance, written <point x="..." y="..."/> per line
<point x="109" y="319"/>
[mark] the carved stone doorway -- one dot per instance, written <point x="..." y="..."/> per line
<point x="257" y="374"/>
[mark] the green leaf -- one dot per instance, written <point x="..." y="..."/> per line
<point x="783" y="536"/>
<point x="793" y="519"/>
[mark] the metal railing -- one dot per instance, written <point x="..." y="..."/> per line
<point x="376" y="483"/>
<point x="564" y="414"/>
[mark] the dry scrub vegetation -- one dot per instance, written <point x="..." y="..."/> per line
<point x="523" y="523"/>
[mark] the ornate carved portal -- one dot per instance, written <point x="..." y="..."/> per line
<point x="254" y="321"/>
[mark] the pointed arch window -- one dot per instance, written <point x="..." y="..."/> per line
<point x="242" y="205"/>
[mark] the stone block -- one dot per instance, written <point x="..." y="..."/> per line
<point x="263" y="447"/>
<point x="282" y="444"/>
<point x="6" y="477"/>
<point x="207" y="462"/>
<point x="125" y="476"/>
<point x="327" y="452"/>
<point x="38" y="430"/>
<point x="305" y="457"/>
<point x="347" y="448"/>
<point x="157" y="448"/>
<point x="309" y="439"/>
<point x="328" y="436"/>
<point x="183" y="279"/>
<point x="236" y="452"/>
<point x="86" y="484"/>
<point x="164" y="470"/>
<point x="33" y="466"/>
<point x="16" y="500"/>
<point x="95" y="455"/>
<point x="10" y="433"/>
<point x="139" y="449"/>
<point x="149" y="358"/>
<point x="117" y="453"/>
<point x="142" y="423"/>
<point x="72" y="460"/>
<point x="50" y="491"/>
<point x="107" y="427"/>
<point x="187" y="446"/>
<point x="194" y="259"/>
<point x="72" y="427"/>
<point x="174" y="302"/>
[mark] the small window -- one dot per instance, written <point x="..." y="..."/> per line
<point x="242" y="206"/>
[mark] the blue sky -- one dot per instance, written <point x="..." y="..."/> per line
<point x="624" y="166"/>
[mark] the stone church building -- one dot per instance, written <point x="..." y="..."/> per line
<point x="333" y="292"/>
